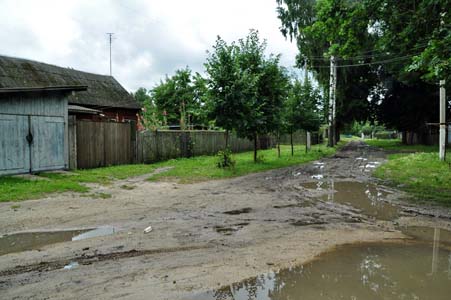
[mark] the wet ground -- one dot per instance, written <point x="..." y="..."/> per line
<point x="24" y="241"/>
<point x="359" y="272"/>
<point x="210" y="235"/>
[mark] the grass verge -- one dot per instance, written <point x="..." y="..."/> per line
<point x="188" y="170"/>
<point x="18" y="188"/>
<point x="397" y="146"/>
<point x="417" y="170"/>
<point x="185" y="170"/>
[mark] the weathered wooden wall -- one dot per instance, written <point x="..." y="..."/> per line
<point x="161" y="145"/>
<point x="43" y="118"/>
<point x="102" y="144"/>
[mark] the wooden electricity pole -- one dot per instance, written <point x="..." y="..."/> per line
<point x="332" y="102"/>
<point x="442" y="141"/>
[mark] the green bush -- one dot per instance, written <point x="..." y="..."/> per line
<point x="224" y="159"/>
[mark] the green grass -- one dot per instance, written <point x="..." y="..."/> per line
<point x="183" y="170"/>
<point x="415" y="169"/>
<point x="397" y="146"/>
<point x="16" y="188"/>
<point x="188" y="170"/>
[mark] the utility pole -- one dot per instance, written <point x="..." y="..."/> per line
<point x="442" y="142"/>
<point x="332" y="104"/>
<point x="308" y="141"/>
<point x="110" y="35"/>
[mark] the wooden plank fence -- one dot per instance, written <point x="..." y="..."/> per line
<point x="101" y="144"/>
<point x="162" y="145"/>
<point x="98" y="144"/>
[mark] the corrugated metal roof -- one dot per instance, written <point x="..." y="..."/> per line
<point x="103" y="91"/>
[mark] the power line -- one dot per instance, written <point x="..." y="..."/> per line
<point x="322" y="58"/>
<point x="401" y="58"/>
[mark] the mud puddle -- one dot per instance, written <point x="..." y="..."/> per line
<point x="24" y="241"/>
<point x="229" y="230"/>
<point x="245" y="210"/>
<point x="360" y="272"/>
<point x="367" y="197"/>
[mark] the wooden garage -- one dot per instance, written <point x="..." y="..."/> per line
<point x="33" y="128"/>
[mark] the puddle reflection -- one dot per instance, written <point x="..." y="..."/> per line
<point x="365" y="196"/>
<point x="380" y="271"/>
<point x="35" y="240"/>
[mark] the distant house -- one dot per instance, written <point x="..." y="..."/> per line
<point x="36" y="101"/>
<point x="104" y="98"/>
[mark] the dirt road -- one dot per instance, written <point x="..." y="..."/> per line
<point x="204" y="235"/>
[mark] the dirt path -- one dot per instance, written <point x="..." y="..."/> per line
<point x="204" y="235"/>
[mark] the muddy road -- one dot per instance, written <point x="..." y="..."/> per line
<point x="204" y="235"/>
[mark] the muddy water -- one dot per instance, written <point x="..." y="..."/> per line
<point x="35" y="240"/>
<point x="357" y="272"/>
<point x="367" y="197"/>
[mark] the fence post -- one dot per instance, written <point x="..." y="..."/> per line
<point x="133" y="150"/>
<point x="72" y="120"/>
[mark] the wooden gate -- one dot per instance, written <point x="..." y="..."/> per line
<point x="47" y="148"/>
<point x="31" y="144"/>
<point x="15" y="152"/>
<point x="101" y="144"/>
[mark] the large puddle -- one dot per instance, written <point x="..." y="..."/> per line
<point x="367" y="197"/>
<point x="357" y="272"/>
<point x="34" y="240"/>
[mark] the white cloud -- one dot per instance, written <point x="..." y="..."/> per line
<point x="152" y="38"/>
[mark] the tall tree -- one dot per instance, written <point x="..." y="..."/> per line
<point x="179" y="98"/>
<point x="303" y="108"/>
<point x="333" y="27"/>
<point x="246" y="87"/>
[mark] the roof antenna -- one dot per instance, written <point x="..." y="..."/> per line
<point x="110" y="35"/>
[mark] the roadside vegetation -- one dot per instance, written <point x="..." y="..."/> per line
<point x="417" y="170"/>
<point x="15" y="188"/>
<point x="188" y="170"/>
<point x="184" y="170"/>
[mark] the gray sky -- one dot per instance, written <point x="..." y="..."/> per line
<point x="152" y="37"/>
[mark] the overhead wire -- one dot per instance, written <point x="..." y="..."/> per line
<point x="395" y="59"/>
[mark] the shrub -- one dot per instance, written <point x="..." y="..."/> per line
<point x="225" y="159"/>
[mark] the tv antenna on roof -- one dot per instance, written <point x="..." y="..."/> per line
<point x="110" y="36"/>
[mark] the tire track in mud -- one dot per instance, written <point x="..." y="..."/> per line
<point x="95" y="258"/>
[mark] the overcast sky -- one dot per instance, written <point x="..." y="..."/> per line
<point x="152" y="37"/>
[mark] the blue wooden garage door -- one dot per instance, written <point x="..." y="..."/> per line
<point x="14" y="148"/>
<point x="31" y="144"/>
<point x="47" y="148"/>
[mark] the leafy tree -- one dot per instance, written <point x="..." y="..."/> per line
<point x="141" y="95"/>
<point x="333" y="27"/>
<point x="180" y="98"/>
<point x="149" y="114"/>
<point x="302" y="108"/>
<point x="247" y="88"/>
<point x="227" y="87"/>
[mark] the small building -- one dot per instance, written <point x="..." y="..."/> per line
<point x="105" y="98"/>
<point x="34" y="128"/>
<point x="36" y="100"/>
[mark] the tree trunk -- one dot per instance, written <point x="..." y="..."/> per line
<point x="331" y="136"/>
<point x="291" y="142"/>
<point x="255" y="148"/>
<point x="404" y="137"/>
<point x="278" y="145"/>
